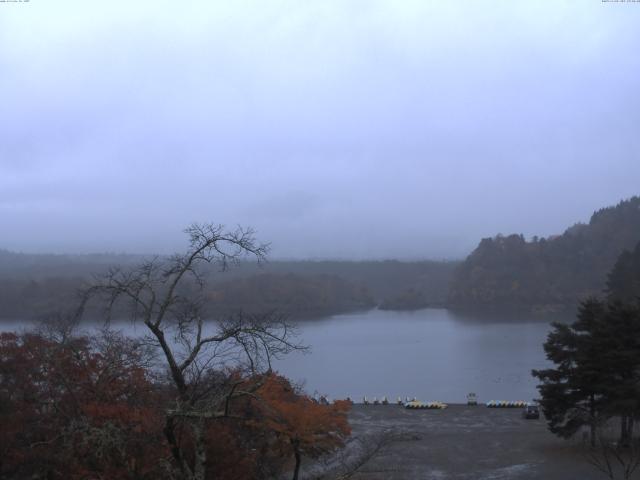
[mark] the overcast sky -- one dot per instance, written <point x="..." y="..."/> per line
<point x="337" y="129"/>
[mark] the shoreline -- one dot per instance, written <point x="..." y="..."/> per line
<point x="468" y="443"/>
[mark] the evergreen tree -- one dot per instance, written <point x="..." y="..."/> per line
<point x="623" y="283"/>
<point x="620" y="355"/>
<point x="573" y="392"/>
<point x="597" y="372"/>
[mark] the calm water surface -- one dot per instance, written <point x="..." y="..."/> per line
<point x="433" y="354"/>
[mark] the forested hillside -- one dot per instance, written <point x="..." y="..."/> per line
<point x="32" y="286"/>
<point x="547" y="272"/>
<point x="385" y="280"/>
<point x="299" y="296"/>
<point x="623" y="283"/>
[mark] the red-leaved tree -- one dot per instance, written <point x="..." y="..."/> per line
<point x="303" y="426"/>
<point x="77" y="409"/>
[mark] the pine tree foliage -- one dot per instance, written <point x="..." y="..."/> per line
<point x="597" y="370"/>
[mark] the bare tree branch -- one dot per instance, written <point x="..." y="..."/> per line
<point x="166" y="295"/>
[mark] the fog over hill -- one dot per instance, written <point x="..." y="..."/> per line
<point x="34" y="285"/>
<point x="503" y="271"/>
<point x="548" y="272"/>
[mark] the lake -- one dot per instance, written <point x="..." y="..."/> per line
<point x="432" y="354"/>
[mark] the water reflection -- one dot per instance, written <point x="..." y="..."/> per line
<point x="433" y="354"/>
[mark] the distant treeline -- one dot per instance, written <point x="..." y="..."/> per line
<point x="548" y="273"/>
<point x="298" y="295"/>
<point x="384" y="280"/>
<point x="33" y="286"/>
<point x="505" y="271"/>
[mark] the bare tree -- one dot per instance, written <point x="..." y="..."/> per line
<point x="58" y="326"/>
<point x="167" y="296"/>
<point x="614" y="459"/>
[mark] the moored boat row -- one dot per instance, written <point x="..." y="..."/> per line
<point x="506" y="404"/>
<point x="416" y="405"/>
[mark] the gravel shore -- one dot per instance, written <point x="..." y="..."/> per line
<point x="469" y="442"/>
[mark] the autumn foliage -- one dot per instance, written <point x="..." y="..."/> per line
<point x="75" y="410"/>
<point x="85" y="409"/>
<point x="303" y="426"/>
<point x="194" y="400"/>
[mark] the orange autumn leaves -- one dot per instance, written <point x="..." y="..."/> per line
<point x="84" y="409"/>
<point x="69" y="411"/>
<point x="318" y="428"/>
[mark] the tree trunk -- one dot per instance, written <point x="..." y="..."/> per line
<point x="169" y="432"/>
<point x="200" y="460"/>
<point x="592" y="425"/>
<point x="296" y="453"/>
<point x="624" y="431"/>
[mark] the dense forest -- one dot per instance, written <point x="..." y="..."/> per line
<point x="623" y="283"/>
<point x="504" y="271"/>
<point x="297" y="295"/>
<point x="34" y="285"/>
<point x="547" y="273"/>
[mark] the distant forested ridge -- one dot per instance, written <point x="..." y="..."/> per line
<point x="299" y="296"/>
<point x="387" y="281"/>
<point x="552" y="272"/>
<point x="34" y="285"/>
